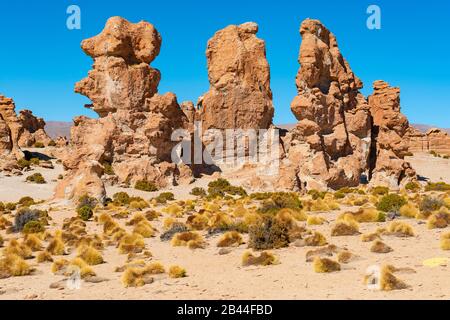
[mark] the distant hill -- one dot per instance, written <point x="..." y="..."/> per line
<point x="421" y="127"/>
<point x="58" y="128"/>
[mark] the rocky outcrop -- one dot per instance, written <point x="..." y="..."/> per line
<point x="436" y="140"/>
<point x="240" y="96"/>
<point x="389" y="141"/>
<point x="10" y="131"/>
<point x="33" y="130"/>
<point x="133" y="132"/>
<point x="330" y="146"/>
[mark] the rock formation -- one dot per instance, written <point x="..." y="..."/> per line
<point x="329" y="147"/>
<point x="133" y="133"/>
<point x="436" y="140"/>
<point x="240" y="96"/>
<point x="10" y="131"/>
<point x="33" y="130"/>
<point x="389" y="144"/>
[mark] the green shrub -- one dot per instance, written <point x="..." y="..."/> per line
<point x="164" y="197"/>
<point x="121" y="199"/>
<point x="269" y="233"/>
<point x="10" y="206"/>
<point x="85" y="213"/>
<point x="391" y="203"/>
<point x="87" y="201"/>
<point x="281" y="200"/>
<point x="23" y="163"/>
<point x="412" y="186"/>
<point x="39" y="145"/>
<point x="430" y="204"/>
<point x="437" y="186"/>
<point x="33" y="227"/>
<point x="108" y="169"/>
<point x="35" y="161"/>
<point x="198" y="192"/>
<point x="339" y="195"/>
<point x="23" y="216"/>
<point x="315" y="194"/>
<point x="380" y="191"/>
<point x="434" y="153"/>
<point x="26" y="201"/>
<point x="147" y="186"/>
<point x="52" y="143"/>
<point x="222" y="187"/>
<point x="36" y="178"/>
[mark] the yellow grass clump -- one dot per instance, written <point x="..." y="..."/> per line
<point x="401" y="229"/>
<point x="264" y="259"/>
<point x="18" y="249"/>
<point x="144" y="228"/>
<point x="388" y="281"/>
<point x="174" y="210"/>
<point x="131" y="243"/>
<point x="33" y="242"/>
<point x="155" y="268"/>
<point x="409" y="210"/>
<point x="177" y="272"/>
<point x="139" y="205"/>
<point x="168" y="223"/>
<point x="369" y="237"/>
<point x="365" y="215"/>
<point x="379" y="246"/>
<point x="103" y="218"/>
<point x="56" y="246"/>
<point x="90" y="255"/>
<point x="137" y="218"/>
<point x="438" y="221"/>
<point x="197" y="221"/>
<point x="327" y="251"/>
<point x="220" y="220"/>
<point x="59" y="266"/>
<point x="325" y="265"/>
<point x="136" y="277"/>
<point x="345" y="226"/>
<point x="230" y="239"/>
<point x="44" y="256"/>
<point x="12" y="265"/>
<point x="1" y="241"/>
<point x="445" y="241"/>
<point x="345" y="256"/>
<point x="110" y="227"/>
<point x="252" y="218"/>
<point x="315" y="220"/>
<point x="316" y="240"/>
<point x="84" y="268"/>
<point x="192" y="240"/>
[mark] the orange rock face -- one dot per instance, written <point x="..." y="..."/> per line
<point x="389" y="145"/>
<point x="329" y="148"/>
<point x="240" y="96"/>
<point x="435" y="140"/>
<point x="10" y="130"/>
<point x="33" y="130"/>
<point x="133" y="133"/>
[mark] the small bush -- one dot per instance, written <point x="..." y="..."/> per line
<point x="56" y="246"/>
<point x="315" y="221"/>
<point x="35" y="161"/>
<point x="177" y="272"/>
<point x="269" y="233"/>
<point x="175" y="227"/>
<point x="347" y="227"/>
<point x="380" y="247"/>
<point x="412" y="186"/>
<point x="380" y="191"/>
<point x="14" y="266"/>
<point x="315" y="194"/>
<point x="164" y="197"/>
<point x="188" y="239"/>
<point x="87" y="201"/>
<point x="26" y="202"/>
<point x="90" y="255"/>
<point x="33" y="227"/>
<point x="316" y="240"/>
<point x="430" y="204"/>
<point x="345" y="256"/>
<point x="391" y="203"/>
<point x="409" y="211"/>
<point x="23" y="163"/>
<point x="437" y="186"/>
<point x="229" y="239"/>
<point x="133" y="243"/>
<point x="264" y="259"/>
<point x="44" y="256"/>
<point x="36" y="178"/>
<point x="23" y="216"/>
<point x="388" y="281"/>
<point x="19" y="249"/>
<point x="144" y="229"/>
<point x="198" y="192"/>
<point x="281" y="200"/>
<point x="325" y="265"/>
<point x="121" y="199"/>
<point x="39" y="145"/>
<point x="439" y="220"/>
<point x="445" y="241"/>
<point x="401" y="229"/>
<point x="85" y="213"/>
<point x="222" y="187"/>
<point x="147" y="186"/>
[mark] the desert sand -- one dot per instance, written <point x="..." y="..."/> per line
<point x="214" y="276"/>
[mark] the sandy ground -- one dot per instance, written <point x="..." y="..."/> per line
<point x="214" y="276"/>
<point x="432" y="168"/>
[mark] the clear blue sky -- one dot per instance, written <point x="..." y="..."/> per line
<point x="41" y="60"/>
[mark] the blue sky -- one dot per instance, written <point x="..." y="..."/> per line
<point x="41" y="60"/>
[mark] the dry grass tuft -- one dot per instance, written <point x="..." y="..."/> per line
<point x="315" y="220"/>
<point x="230" y="239"/>
<point x="90" y="255"/>
<point x="379" y="246"/>
<point x="18" y="249"/>
<point x="44" y="256"/>
<point x="131" y="243"/>
<point x="400" y="229"/>
<point x="189" y="239"/>
<point x="144" y="228"/>
<point x="445" y="241"/>
<point x="177" y="272"/>
<point x="325" y="265"/>
<point x="12" y="265"/>
<point x="264" y="259"/>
